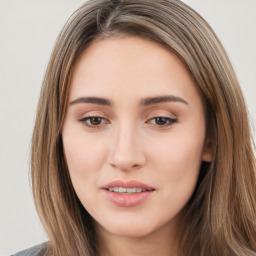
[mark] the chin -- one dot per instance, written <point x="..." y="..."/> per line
<point x="132" y="228"/>
<point x="131" y="231"/>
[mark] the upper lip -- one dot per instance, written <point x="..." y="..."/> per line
<point x="128" y="184"/>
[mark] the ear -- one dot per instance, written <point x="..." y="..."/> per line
<point x="207" y="154"/>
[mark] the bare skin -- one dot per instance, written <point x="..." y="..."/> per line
<point x="134" y="115"/>
<point x="153" y="244"/>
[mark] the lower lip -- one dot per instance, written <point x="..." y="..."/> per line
<point x="127" y="200"/>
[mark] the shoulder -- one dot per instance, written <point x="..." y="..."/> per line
<point x="39" y="250"/>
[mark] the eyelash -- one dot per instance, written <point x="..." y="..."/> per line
<point x="90" y="118"/>
<point x="170" y="121"/>
<point x="84" y="120"/>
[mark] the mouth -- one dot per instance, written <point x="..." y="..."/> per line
<point x="123" y="190"/>
<point x="127" y="194"/>
<point x="130" y="187"/>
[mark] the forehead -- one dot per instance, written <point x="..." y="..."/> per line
<point x="129" y="66"/>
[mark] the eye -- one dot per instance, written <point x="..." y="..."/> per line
<point x="93" y="121"/>
<point x="162" y="121"/>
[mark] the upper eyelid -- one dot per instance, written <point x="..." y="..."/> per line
<point x="92" y="114"/>
<point x="166" y="114"/>
<point x="103" y="117"/>
<point x="82" y="119"/>
<point x="150" y="112"/>
<point x="172" y="120"/>
<point x="167" y="117"/>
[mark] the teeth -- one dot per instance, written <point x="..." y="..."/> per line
<point x="122" y="190"/>
<point x="126" y="190"/>
<point x="131" y="190"/>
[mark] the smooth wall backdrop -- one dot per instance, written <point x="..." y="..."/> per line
<point x="28" y="29"/>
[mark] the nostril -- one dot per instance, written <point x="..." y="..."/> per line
<point x="126" y="157"/>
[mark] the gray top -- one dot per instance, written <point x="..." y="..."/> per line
<point x="39" y="250"/>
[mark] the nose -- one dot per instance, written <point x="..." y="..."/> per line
<point x="126" y="151"/>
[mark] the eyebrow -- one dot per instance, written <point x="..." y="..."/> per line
<point x="144" y="102"/>
<point x="159" y="99"/>
<point x="93" y="100"/>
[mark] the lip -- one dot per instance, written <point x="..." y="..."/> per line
<point x="128" y="184"/>
<point x="128" y="200"/>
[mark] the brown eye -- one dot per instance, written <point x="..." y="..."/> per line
<point x="93" y="121"/>
<point x="162" y="121"/>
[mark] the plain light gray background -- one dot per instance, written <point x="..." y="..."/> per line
<point x="28" y="29"/>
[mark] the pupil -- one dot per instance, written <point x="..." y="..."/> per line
<point x="95" y="120"/>
<point x="161" y="120"/>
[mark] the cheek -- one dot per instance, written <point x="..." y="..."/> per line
<point x="187" y="156"/>
<point x="180" y="161"/>
<point x="179" y="150"/>
<point x="84" y="159"/>
<point x="83" y="155"/>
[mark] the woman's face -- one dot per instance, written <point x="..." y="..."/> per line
<point x="133" y="135"/>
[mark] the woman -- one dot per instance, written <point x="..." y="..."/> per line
<point x="141" y="144"/>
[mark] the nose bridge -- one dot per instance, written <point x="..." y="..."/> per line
<point x="126" y="151"/>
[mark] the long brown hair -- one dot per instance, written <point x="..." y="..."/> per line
<point x="220" y="218"/>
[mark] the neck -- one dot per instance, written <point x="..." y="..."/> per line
<point x="162" y="243"/>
